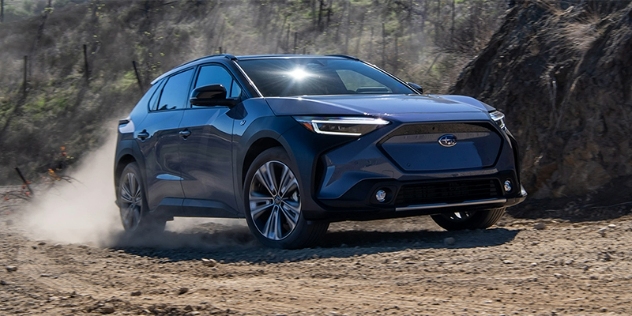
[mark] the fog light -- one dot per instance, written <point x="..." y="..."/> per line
<point x="380" y="195"/>
<point x="507" y="186"/>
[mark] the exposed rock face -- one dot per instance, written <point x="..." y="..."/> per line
<point x="562" y="73"/>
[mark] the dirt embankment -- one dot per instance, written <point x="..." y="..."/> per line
<point x="560" y="70"/>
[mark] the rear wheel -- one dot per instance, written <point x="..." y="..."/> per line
<point x="133" y="204"/>
<point x="272" y="199"/>
<point x="469" y="219"/>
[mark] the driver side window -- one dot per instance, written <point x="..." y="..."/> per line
<point x="215" y="74"/>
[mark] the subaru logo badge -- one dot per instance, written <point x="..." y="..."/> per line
<point x="447" y="140"/>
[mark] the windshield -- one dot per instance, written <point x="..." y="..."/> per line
<point x="281" y="77"/>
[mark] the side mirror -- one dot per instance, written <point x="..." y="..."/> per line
<point x="416" y="87"/>
<point x="214" y="94"/>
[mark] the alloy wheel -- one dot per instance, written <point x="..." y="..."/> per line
<point x="274" y="200"/>
<point x="131" y="201"/>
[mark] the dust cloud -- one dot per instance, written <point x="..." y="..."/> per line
<point x="83" y="211"/>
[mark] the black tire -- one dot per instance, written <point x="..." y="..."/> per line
<point x="132" y="204"/>
<point x="469" y="219"/>
<point x="272" y="201"/>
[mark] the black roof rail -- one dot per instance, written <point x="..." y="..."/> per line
<point x="344" y="56"/>
<point x="228" y="56"/>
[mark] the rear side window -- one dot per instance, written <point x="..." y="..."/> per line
<point x="150" y="94"/>
<point x="176" y="91"/>
<point x="157" y="88"/>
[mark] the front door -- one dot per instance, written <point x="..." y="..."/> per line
<point x="207" y="175"/>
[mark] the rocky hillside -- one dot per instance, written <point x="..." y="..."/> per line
<point x="562" y="73"/>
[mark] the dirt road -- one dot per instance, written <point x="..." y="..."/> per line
<point x="399" y="267"/>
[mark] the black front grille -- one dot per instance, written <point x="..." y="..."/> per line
<point x="416" y="147"/>
<point x="447" y="192"/>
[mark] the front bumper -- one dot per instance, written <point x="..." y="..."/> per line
<point x="347" y="178"/>
<point x="425" y="198"/>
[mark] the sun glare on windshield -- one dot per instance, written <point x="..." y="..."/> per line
<point x="298" y="73"/>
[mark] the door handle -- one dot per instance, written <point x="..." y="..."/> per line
<point x="185" y="133"/>
<point x="142" y="135"/>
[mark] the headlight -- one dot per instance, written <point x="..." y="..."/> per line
<point x="499" y="119"/>
<point x="348" y="126"/>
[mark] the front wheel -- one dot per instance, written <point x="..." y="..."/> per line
<point x="469" y="219"/>
<point x="272" y="200"/>
<point x="133" y="204"/>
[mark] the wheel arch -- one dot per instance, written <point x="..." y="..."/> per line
<point x="259" y="146"/>
<point x="127" y="151"/>
<point x="122" y="162"/>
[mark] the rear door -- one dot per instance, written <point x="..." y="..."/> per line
<point x="159" y="140"/>
<point x="208" y="171"/>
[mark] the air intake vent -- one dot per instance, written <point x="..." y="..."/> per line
<point x="447" y="192"/>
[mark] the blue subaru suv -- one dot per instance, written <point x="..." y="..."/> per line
<point x="294" y="142"/>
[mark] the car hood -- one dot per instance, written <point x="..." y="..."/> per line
<point x="379" y="105"/>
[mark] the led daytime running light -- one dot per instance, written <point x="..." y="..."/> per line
<point x="347" y="126"/>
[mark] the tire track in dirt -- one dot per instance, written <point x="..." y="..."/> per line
<point x="55" y="270"/>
